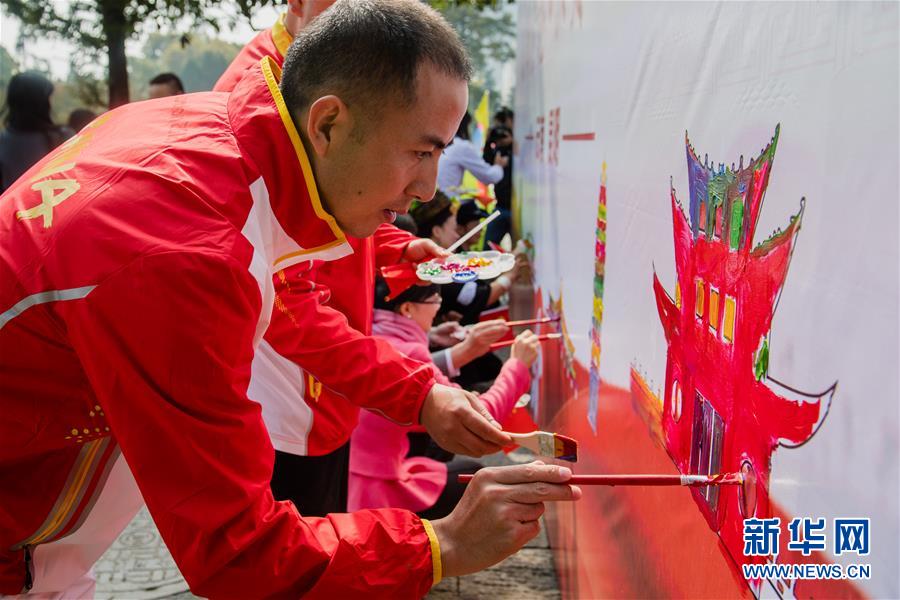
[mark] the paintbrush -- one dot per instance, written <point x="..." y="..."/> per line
<point x="550" y="445"/>
<point x="463" y="332"/>
<point x="655" y="480"/>
<point x="541" y="338"/>
<point x="532" y="321"/>
<point x="474" y="230"/>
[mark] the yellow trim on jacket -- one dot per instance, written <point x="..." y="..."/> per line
<point x="281" y="36"/>
<point x="436" y="565"/>
<point x="272" y="74"/>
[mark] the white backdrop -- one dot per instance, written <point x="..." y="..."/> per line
<point x="637" y="76"/>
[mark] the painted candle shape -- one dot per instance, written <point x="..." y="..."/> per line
<point x="597" y="314"/>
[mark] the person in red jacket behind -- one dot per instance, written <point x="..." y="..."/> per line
<point x="273" y="42"/>
<point x="136" y="287"/>
<point x="310" y="424"/>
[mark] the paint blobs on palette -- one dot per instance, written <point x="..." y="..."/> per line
<point x="465" y="276"/>
<point x="466" y="266"/>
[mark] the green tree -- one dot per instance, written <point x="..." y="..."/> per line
<point x="198" y="63"/>
<point x="8" y="67"/>
<point x="103" y="26"/>
<point x="488" y="32"/>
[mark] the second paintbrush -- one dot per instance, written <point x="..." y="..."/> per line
<point x="654" y="480"/>
<point x="541" y="338"/>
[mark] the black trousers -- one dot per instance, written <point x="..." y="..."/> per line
<point x="317" y="485"/>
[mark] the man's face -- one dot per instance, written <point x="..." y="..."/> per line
<point x="366" y="182"/>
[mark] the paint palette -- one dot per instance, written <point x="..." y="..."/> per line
<point x="466" y="266"/>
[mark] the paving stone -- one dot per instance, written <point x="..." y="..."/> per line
<point x="138" y="565"/>
<point x="530" y="573"/>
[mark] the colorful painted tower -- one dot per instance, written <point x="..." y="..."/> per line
<point x="722" y="412"/>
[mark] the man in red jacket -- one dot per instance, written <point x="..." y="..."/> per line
<point x="136" y="286"/>
<point x="310" y="424"/>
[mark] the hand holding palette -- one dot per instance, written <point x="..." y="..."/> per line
<point x="466" y="266"/>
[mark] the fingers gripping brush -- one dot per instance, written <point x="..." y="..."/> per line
<point x="549" y="445"/>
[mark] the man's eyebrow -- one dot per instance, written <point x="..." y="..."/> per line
<point x="435" y="141"/>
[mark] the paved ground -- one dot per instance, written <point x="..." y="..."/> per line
<point x="139" y="567"/>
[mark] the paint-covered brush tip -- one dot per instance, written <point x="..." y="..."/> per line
<point x="566" y="448"/>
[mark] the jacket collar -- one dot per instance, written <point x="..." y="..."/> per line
<point x="302" y="229"/>
<point x="281" y="37"/>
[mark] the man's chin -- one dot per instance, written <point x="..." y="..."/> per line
<point x="359" y="230"/>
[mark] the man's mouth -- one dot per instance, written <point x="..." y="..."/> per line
<point x="390" y="214"/>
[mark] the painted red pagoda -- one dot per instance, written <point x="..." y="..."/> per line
<point x="721" y="410"/>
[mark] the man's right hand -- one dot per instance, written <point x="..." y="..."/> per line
<point x="459" y="422"/>
<point x="498" y="514"/>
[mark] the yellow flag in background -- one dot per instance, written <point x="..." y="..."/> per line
<point x="471" y="187"/>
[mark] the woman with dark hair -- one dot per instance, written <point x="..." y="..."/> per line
<point x="382" y="475"/>
<point x="30" y="133"/>
<point x="461" y="156"/>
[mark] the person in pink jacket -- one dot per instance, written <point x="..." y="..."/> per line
<point x="381" y="473"/>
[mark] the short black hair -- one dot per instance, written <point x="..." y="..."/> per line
<point x="469" y="211"/>
<point x="79" y="118"/>
<point x="504" y="114"/>
<point x="170" y="78"/>
<point x="369" y="51"/>
<point x="433" y="213"/>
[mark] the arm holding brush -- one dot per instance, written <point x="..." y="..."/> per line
<point x="498" y="514"/>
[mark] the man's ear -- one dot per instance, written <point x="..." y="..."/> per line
<point x="328" y="124"/>
<point x="296" y="7"/>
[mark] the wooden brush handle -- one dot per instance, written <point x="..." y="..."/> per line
<point x="654" y="480"/>
<point x="541" y="338"/>
<point x="532" y="322"/>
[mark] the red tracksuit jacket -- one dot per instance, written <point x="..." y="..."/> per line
<point x="326" y="419"/>
<point x="136" y="266"/>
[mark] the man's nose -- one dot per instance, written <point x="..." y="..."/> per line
<point x="425" y="182"/>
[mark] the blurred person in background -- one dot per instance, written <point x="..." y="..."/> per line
<point x="468" y="217"/>
<point x="273" y="41"/>
<point x="30" y="133"/>
<point x="165" y="85"/>
<point x="461" y="156"/>
<point x="79" y="118"/>
<point x="499" y="142"/>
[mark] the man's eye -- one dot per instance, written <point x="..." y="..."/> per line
<point x="423" y="155"/>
